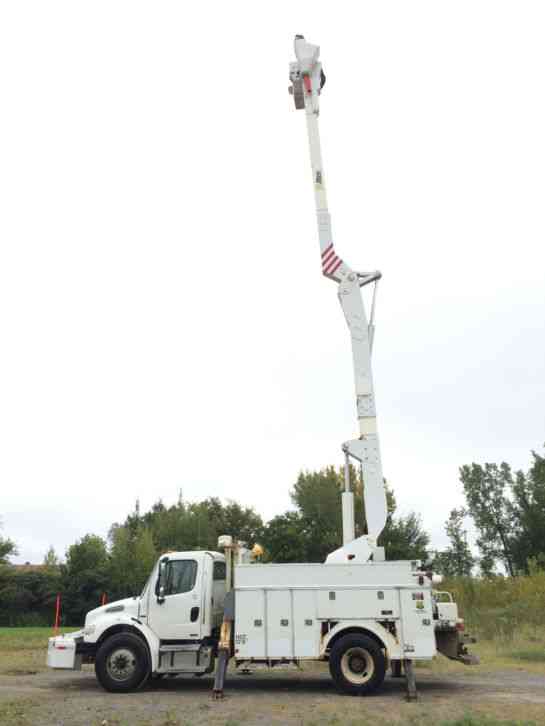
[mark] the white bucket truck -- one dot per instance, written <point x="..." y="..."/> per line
<point x="355" y="611"/>
<point x="358" y="617"/>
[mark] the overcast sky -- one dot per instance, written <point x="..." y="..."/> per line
<point x="163" y="321"/>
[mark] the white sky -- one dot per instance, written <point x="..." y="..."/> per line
<point x="163" y="320"/>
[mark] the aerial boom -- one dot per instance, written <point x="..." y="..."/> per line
<point x="307" y="77"/>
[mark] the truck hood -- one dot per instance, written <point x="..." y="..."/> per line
<point x="128" y="606"/>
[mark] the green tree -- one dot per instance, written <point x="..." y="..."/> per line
<point x="404" y="539"/>
<point x="487" y="494"/>
<point x="132" y="556"/>
<point x="457" y="560"/>
<point x="528" y="492"/>
<point x="50" y="558"/>
<point x="315" y="529"/>
<point x="317" y="497"/>
<point x="7" y="549"/>
<point x="285" y="539"/>
<point x="509" y="513"/>
<point x="197" y="525"/>
<point x="27" y="596"/>
<point x="241" y="522"/>
<point x="84" y="577"/>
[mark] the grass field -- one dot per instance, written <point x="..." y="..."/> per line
<point x="508" y="688"/>
<point x="22" y="650"/>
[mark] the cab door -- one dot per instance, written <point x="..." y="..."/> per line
<point x="175" y="607"/>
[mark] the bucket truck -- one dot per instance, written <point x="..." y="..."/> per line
<point x="356" y="611"/>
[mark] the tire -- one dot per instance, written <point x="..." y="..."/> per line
<point x="357" y="664"/>
<point x="122" y="663"/>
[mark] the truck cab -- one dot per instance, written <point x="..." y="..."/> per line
<point x="171" y="627"/>
<point x="183" y="598"/>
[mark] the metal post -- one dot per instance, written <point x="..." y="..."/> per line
<point x="224" y="653"/>
<point x="226" y="631"/>
<point x="347" y="504"/>
<point x="408" y="666"/>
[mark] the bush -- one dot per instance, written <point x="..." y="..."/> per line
<point x="497" y="607"/>
<point x="28" y="597"/>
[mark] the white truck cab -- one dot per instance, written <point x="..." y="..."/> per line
<point x="171" y="627"/>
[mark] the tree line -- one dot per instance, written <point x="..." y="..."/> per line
<point x="507" y="510"/>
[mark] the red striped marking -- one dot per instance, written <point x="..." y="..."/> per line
<point x="330" y="261"/>
<point x="330" y="265"/>
<point x="327" y="259"/>
<point x="332" y="272"/>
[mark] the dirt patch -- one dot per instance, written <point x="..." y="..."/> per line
<point x="19" y="672"/>
<point x="304" y="698"/>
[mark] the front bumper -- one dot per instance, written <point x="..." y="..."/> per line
<point x="62" y="651"/>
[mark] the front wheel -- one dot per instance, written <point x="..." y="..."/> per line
<point x="122" y="663"/>
<point x="357" y="664"/>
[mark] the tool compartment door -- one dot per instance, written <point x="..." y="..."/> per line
<point x="279" y="624"/>
<point x="305" y="624"/>
<point x="355" y="604"/>
<point x="417" y="624"/>
<point x="250" y="627"/>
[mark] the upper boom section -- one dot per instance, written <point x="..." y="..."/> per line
<point x="307" y="77"/>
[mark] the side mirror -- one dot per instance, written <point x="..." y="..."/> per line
<point x="159" y="585"/>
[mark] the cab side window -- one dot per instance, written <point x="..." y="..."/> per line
<point x="220" y="572"/>
<point x="180" y="576"/>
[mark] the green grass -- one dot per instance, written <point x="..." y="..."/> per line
<point x="524" y="652"/>
<point x="471" y="720"/>
<point x="27" y="638"/>
<point x="15" y="713"/>
<point x="530" y="655"/>
<point x="23" y="650"/>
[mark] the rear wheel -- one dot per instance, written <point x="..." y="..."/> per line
<point x="357" y="664"/>
<point x="122" y="663"/>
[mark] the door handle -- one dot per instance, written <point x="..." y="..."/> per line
<point x="194" y="613"/>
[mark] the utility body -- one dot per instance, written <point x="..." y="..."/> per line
<point x="356" y="611"/>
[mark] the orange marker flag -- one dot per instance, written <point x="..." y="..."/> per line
<point x="57" y="614"/>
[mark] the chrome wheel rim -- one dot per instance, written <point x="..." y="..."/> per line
<point x="357" y="666"/>
<point x="121" y="664"/>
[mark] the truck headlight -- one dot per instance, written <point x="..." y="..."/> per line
<point x="89" y="630"/>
